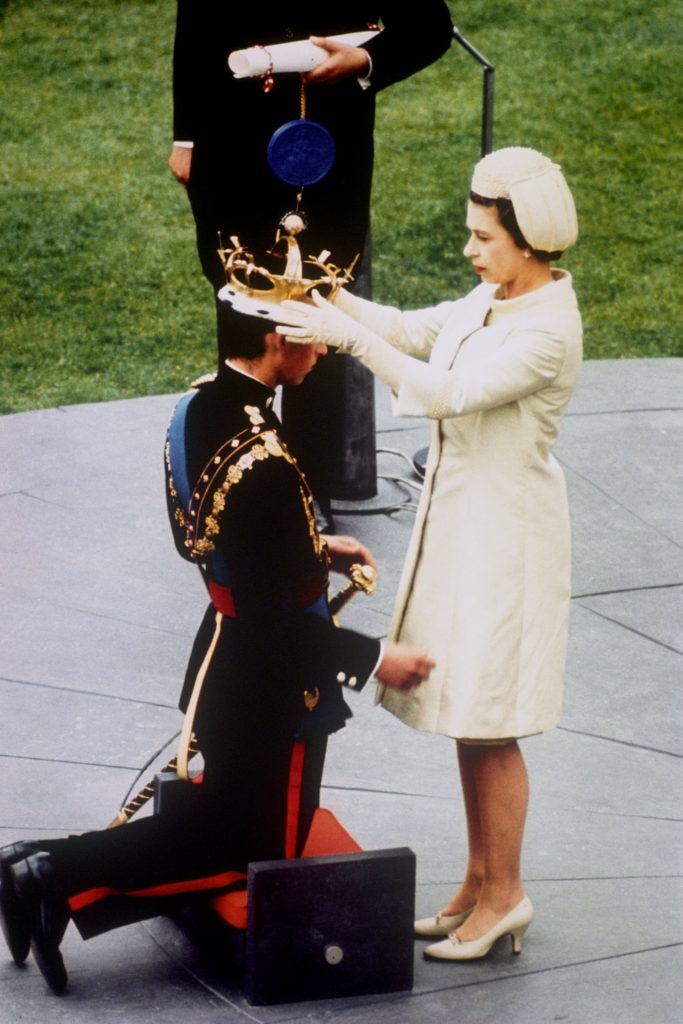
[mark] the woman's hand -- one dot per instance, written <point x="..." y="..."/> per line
<point x="326" y="324"/>
<point x="343" y="62"/>
<point x="403" y="667"/>
<point x="345" y="552"/>
<point x="319" y="324"/>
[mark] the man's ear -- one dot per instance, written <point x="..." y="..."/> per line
<point x="275" y="342"/>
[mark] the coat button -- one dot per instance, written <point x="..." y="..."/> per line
<point x="353" y="681"/>
<point x="341" y="677"/>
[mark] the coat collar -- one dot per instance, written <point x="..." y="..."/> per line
<point x="559" y="293"/>
<point x="243" y="387"/>
<point x="240" y="381"/>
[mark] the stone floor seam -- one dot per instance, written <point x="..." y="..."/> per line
<point x="616" y="501"/>
<point x="621" y="743"/>
<point x="55" y="687"/>
<point x="628" y="590"/>
<point x="630" y="629"/>
<point x="550" y="970"/>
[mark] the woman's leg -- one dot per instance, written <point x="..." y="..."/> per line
<point x="468" y="893"/>
<point x="496" y="791"/>
<point x="502" y="788"/>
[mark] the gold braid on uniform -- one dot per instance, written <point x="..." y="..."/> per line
<point x="178" y="513"/>
<point x="225" y="470"/>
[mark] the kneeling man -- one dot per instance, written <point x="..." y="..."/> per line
<point x="265" y="678"/>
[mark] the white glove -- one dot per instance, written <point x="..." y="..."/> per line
<point x="387" y="321"/>
<point x="325" y="324"/>
<point x="321" y="324"/>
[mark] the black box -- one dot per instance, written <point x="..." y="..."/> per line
<point x="324" y="927"/>
<point x="317" y="927"/>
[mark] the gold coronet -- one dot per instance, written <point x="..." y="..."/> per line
<point x="255" y="290"/>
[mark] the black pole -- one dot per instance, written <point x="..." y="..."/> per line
<point x="420" y="457"/>
<point x="487" y="101"/>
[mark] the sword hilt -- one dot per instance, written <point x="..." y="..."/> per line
<point x="361" y="578"/>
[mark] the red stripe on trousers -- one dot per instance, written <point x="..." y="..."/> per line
<point x="296" y="771"/>
<point x="84" y="899"/>
<point x="220" y="881"/>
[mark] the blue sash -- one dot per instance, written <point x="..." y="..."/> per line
<point x="177" y="457"/>
<point x="176" y="445"/>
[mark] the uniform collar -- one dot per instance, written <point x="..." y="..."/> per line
<point x="248" y="387"/>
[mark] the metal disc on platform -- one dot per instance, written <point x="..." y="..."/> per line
<point x="301" y="152"/>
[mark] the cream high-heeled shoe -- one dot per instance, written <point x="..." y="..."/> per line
<point x="513" y="924"/>
<point x="442" y="924"/>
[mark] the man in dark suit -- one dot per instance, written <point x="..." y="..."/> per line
<point x="222" y="127"/>
<point x="267" y="667"/>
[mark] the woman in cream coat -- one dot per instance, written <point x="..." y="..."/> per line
<point x="485" y="586"/>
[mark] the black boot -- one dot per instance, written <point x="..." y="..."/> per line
<point x="48" y="915"/>
<point x="13" y="918"/>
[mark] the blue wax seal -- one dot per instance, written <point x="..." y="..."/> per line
<point x="301" y="152"/>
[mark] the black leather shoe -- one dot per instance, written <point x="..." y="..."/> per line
<point x="47" y="913"/>
<point x="13" y="918"/>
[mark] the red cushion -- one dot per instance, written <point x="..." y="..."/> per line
<point x="232" y="907"/>
<point x="326" y="838"/>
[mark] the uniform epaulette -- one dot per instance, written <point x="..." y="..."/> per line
<point x="206" y="378"/>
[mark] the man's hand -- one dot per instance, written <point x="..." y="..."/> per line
<point x="403" y="667"/>
<point x="179" y="163"/>
<point x="343" y="62"/>
<point x="344" y="551"/>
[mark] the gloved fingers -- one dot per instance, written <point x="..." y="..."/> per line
<point x="299" y="335"/>
<point x="294" y="313"/>
<point x="320" y="301"/>
<point x="296" y="307"/>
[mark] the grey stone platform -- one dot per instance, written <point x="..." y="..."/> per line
<point x="97" y="614"/>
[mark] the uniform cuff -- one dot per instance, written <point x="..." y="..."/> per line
<point x="358" y="682"/>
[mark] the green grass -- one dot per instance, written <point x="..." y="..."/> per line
<point x="101" y="296"/>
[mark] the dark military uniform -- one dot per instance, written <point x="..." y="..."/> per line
<point x="270" y="659"/>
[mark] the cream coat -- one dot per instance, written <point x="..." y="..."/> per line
<point x="486" y="582"/>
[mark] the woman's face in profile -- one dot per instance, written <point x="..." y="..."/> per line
<point x="494" y="255"/>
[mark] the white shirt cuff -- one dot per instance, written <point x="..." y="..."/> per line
<point x="184" y="145"/>
<point x="379" y="660"/>
<point x="365" y="82"/>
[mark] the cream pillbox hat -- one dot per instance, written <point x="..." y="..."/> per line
<point x="539" y="194"/>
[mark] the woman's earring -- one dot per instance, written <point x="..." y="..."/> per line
<point x="527" y="254"/>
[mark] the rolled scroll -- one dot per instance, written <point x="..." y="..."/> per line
<point x="301" y="55"/>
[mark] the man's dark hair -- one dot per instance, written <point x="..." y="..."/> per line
<point x="240" y="336"/>
<point x="506" y="215"/>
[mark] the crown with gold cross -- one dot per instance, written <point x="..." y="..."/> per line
<point x="257" y="291"/>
